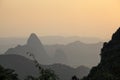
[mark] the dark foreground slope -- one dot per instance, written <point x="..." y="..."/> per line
<point x="109" y="67"/>
<point x="24" y="67"/>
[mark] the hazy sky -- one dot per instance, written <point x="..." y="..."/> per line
<point x="92" y="18"/>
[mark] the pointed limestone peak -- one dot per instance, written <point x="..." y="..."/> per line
<point x="33" y="40"/>
<point x="116" y="35"/>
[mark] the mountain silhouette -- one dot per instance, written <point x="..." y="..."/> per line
<point x="24" y="67"/>
<point x="33" y="40"/>
<point x="33" y="46"/>
<point x="109" y="66"/>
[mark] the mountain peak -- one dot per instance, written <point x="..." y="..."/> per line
<point x="116" y="35"/>
<point x="33" y="34"/>
<point x="33" y="40"/>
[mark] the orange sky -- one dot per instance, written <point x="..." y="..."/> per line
<point x="92" y="18"/>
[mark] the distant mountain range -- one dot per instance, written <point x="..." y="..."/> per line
<point x="55" y="57"/>
<point x="6" y="43"/>
<point x="51" y="40"/>
<point x="24" y="67"/>
<point x="58" y="57"/>
<point x="74" y="54"/>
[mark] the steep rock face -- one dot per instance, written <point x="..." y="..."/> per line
<point x="33" y="46"/>
<point x="109" y="67"/>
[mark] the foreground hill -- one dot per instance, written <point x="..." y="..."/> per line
<point x="24" y="67"/>
<point x="109" y="66"/>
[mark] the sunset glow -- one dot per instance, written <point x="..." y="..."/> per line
<point x="91" y="18"/>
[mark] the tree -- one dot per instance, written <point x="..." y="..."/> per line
<point x="75" y="78"/>
<point x="7" y="74"/>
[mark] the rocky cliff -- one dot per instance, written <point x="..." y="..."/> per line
<point x="109" y="66"/>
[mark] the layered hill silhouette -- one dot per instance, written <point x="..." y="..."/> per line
<point x="24" y="67"/>
<point x="18" y="59"/>
<point x="73" y="54"/>
<point x="109" y="66"/>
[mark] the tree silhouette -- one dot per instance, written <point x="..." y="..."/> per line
<point x="7" y="74"/>
<point x="75" y="78"/>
